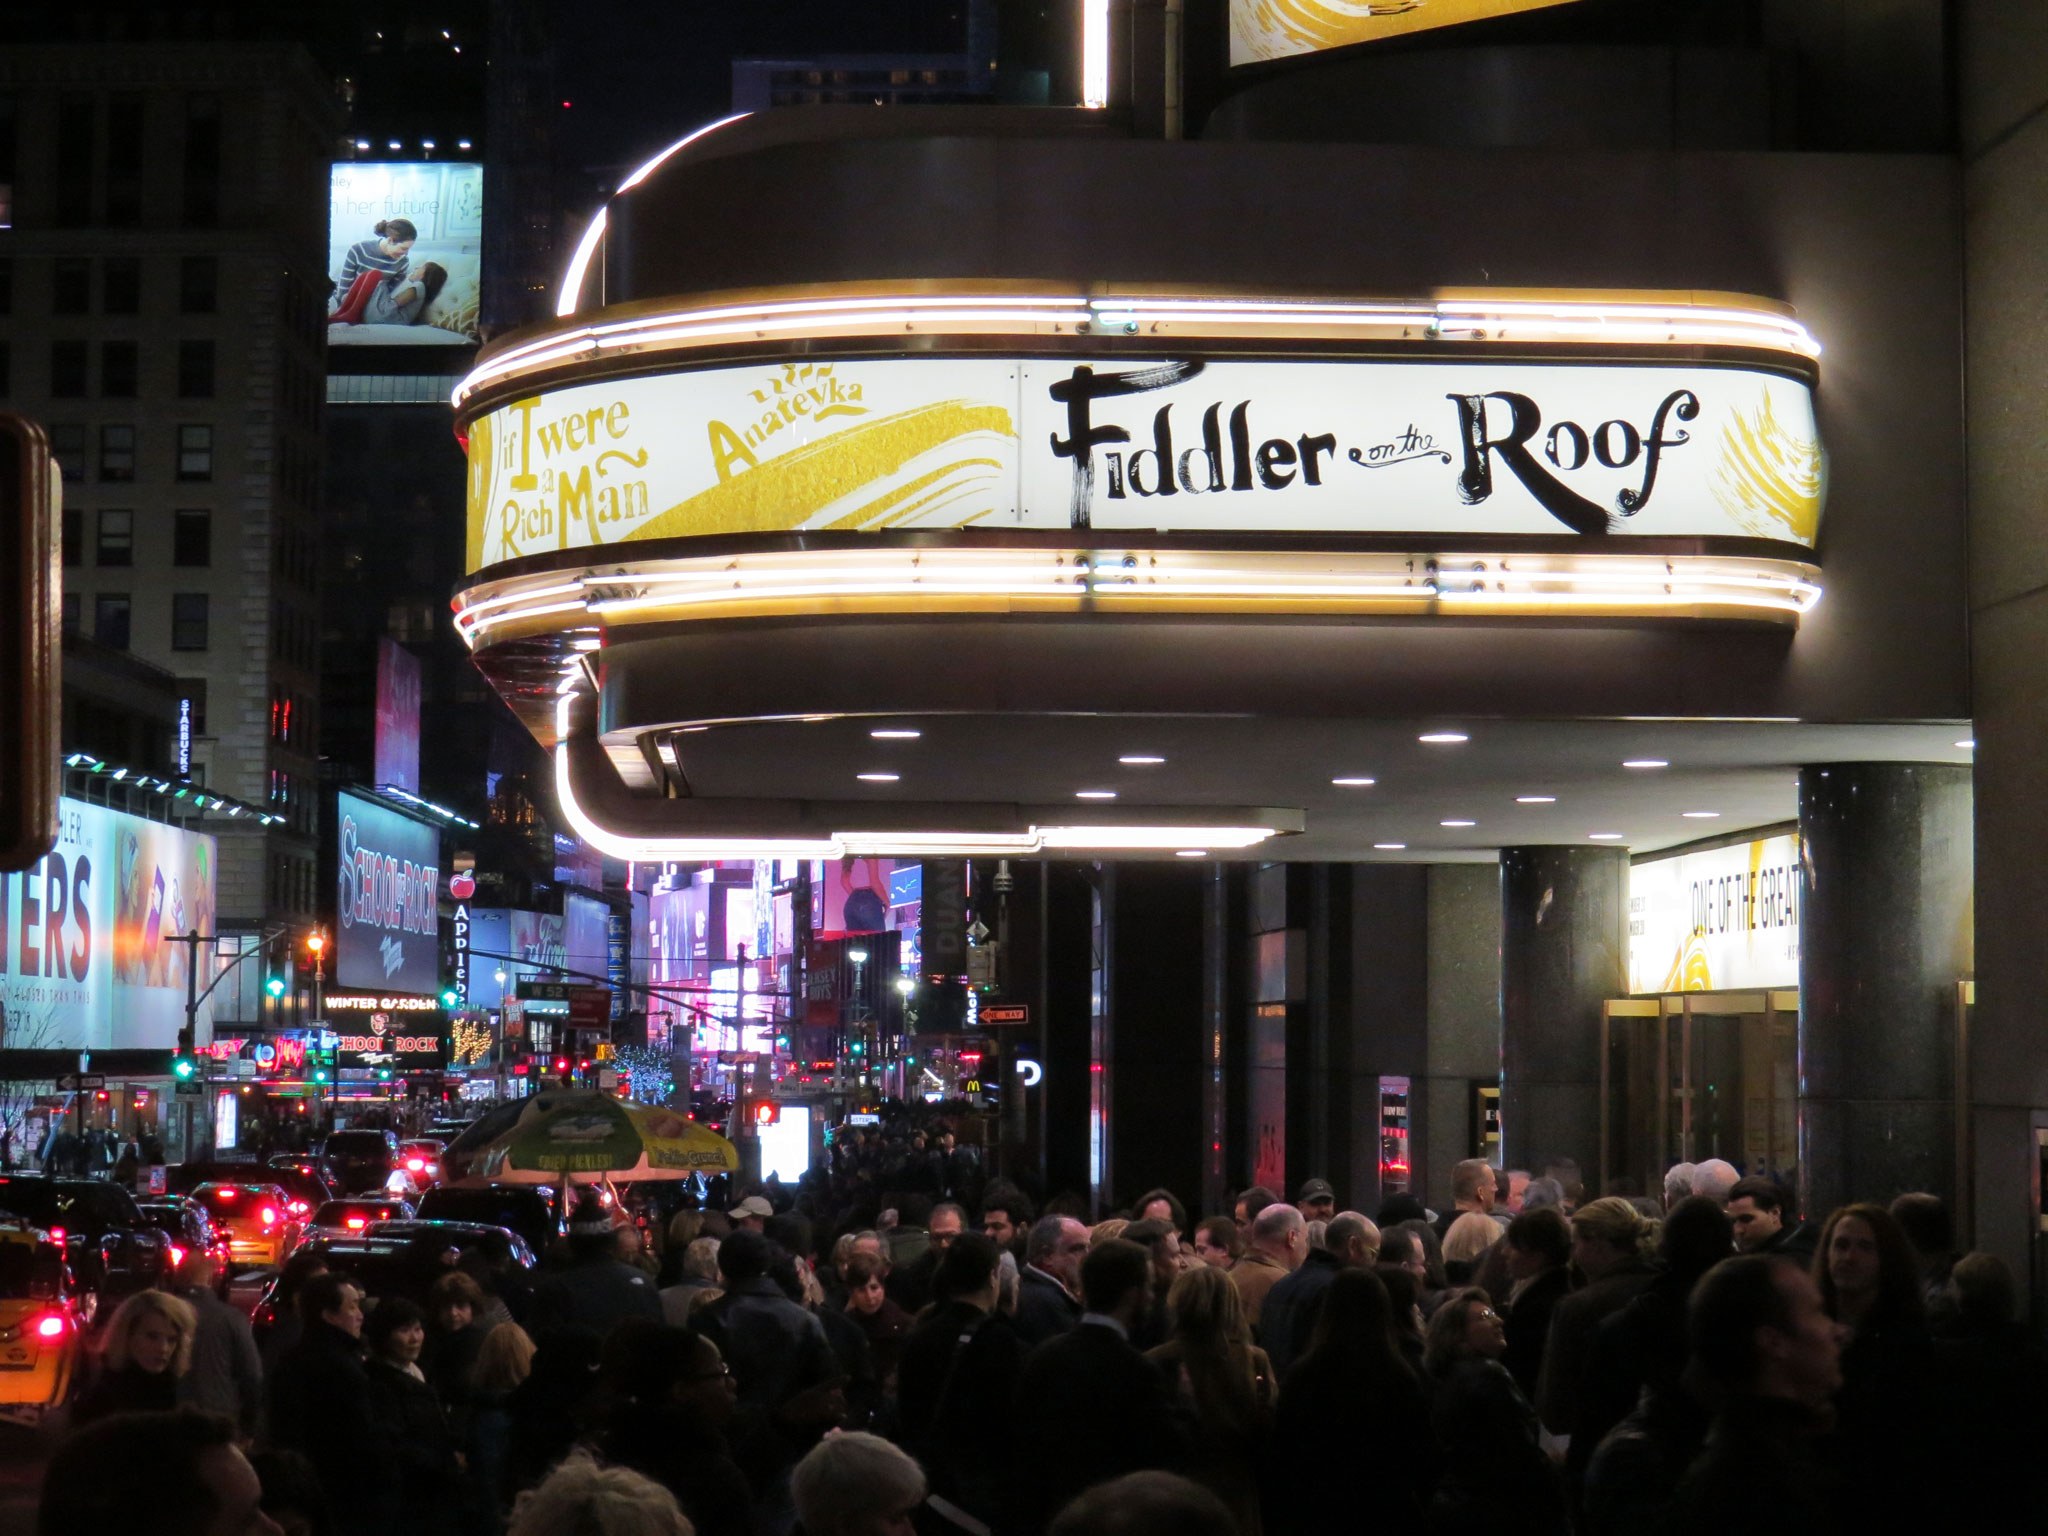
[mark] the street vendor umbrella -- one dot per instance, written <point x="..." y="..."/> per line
<point x="561" y="1132"/>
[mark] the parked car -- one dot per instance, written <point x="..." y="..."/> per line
<point x="528" y="1209"/>
<point x="40" y="1323"/>
<point x="111" y="1250"/>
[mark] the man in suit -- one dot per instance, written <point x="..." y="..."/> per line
<point x="1049" y="1292"/>
<point x="1089" y="1406"/>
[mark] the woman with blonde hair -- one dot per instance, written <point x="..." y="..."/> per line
<point x="1612" y="1243"/>
<point x="503" y="1361"/>
<point x="1103" y="1231"/>
<point x="1466" y="1242"/>
<point x="1227" y="1382"/>
<point x="144" y="1351"/>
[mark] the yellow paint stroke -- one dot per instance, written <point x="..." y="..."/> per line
<point x="483" y="460"/>
<point x="944" y="496"/>
<point x="1769" y="480"/>
<point x="1271" y="29"/>
<point x="871" y="511"/>
<point x="796" y="485"/>
<point x="1689" y="971"/>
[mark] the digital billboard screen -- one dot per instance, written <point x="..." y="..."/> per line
<point x="404" y="252"/>
<point x="398" y="717"/>
<point x="88" y="951"/>
<point x="388" y="900"/>
<point x="1261" y="30"/>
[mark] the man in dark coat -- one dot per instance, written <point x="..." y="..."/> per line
<point x="1762" y="1215"/>
<point x="1089" y="1406"/>
<point x="1048" y="1293"/>
<point x="596" y="1289"/>
<point x="1289" y="1315"/>
<point x="320" y="1403"/>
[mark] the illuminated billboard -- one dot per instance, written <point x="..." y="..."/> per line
<point x="1277" y="29"/>
<point x="404" y="252"/>
<point x="88" y="957"/>
<point x="1725" y="917"/>
<point x="388" y="901"/>
<point x="398" y="717"/>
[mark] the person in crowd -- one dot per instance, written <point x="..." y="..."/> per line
<point x="1495" y="1472"/>
<point x="1539" y="1255"/>
<point x="1515" y="1184"/>
<point x="420" y="1449"/>
<point x="173" y="1474"/>
<point x="292" y="1496"/>
<point x="1349" y="1242"/>
<point x="1089" y="1407"/>
<point x="683" y="1229"/>
<point x="957" y="1380"/>
<point x="1993" y="1378"/>
<point x="582" y="1498"/>
<point x="1430" y="1256"/>
<point x="1715" y="1180"/>
<point x="1277" y="1248"/>
<point x="1049" y="1291"/>
<point x="1610" y="1250"/>
<point x="1677" y="1184"/>
<point x="553" y="1408"/>
<point x="146" y="1349"/>
<point x="1925" y="1220"/>
<point x="1006" y="1216"/>
<point x="668" y="1401"/>
<point x="1108" y="1228"/>
<point x="274" y="1340"/>
<point x="1353" y="1387"/>
<point x="1316" y="1200"/>
<point x="1870" y="1283"/>
<point x="1404" y="1298"/>
<point x="1541" y="1192"/>
<point x="595" y="1289"/>
<point x="453" y="1342"/>
<point x="1218" y="1243"/>
<point x="1248" y="1205"/>
<point x="910" y="1285"/>
<point x="320" y="1403"/>
<point x="1769" y="1358"/>
<point x="857" y="1485"/>
<point x="875" y="1312"/>
<point x="1161" y="1205"/>
<point x="1146" y="1504"/>
<point x="1474" y="1188"/>
<point x="226" y="1373"/>
<point x="1157" y="1239"/>
<point x="1227" y="1386"/>
<point x="1466" y="1244"/>
<point x="751" y="1214"/>
<point x="504" y="1361"/>
<point x="508" y="1292"/>
<point x="1761" y="1213"/>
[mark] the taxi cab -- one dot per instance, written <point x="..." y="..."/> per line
<point x="39" y="1327"/>
<point x="257" y="1217"/>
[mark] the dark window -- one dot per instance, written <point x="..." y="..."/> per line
<point x="124" y="159"/>
<point x="6" y="371"/>
<point x="195" y="453"/>
<point x="120" y="285"/>
<point x="192" y="537"/>
<point x="117" y="452"/>
<point x="67" y="447"/>
<point x="74" y="160"/>
<point x="198" y="284"/>
<point x="74" y="536"/>
<point x="117" y="370"/>
<point x="71" y="286"/>
<point x="6" y="162"/>
<point x="195" y="370"/>
<point x="188" y="621"/>
<point x="110" y="619"/>
<point x="74" y="612"/>
<point x="202" y="160"/>
<point x="67" y="370"/>
<point x="117" y="539"/>
<point x="194" y="688"/>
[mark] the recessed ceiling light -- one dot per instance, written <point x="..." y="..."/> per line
<point x="1094" y="794"/>
<point x="1535" y="799"/>
<point x="1390" y="847"/>
<point x="1455" y="822"/>
<point x="1140" y="760"/>
<point x="1442" y="738"/>
<point x="1646" y="762"/>
<point x="1968" y="743"/>
<point x="1354" y="782"/>
<point x="1192" y="853"/>
<point x="878" y="778"/>
<point x="1605" y="837"/>
<point x="895" y="733"/>
<point x="1700" y="815"/>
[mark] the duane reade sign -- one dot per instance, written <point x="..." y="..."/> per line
<point x="1726" y="917"/>
<point x="1466" y="448"/>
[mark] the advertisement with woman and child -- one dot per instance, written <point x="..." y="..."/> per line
<point x="404" y="251"/>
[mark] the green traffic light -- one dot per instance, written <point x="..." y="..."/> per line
<point x="183" y="1068"/>
<point x="450" y="997"/>
<point x="275" y="986"/>
<point x="383" y="1074"/>
<point x="320" y="1075"/>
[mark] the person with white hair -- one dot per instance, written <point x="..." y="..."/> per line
<point x="857" y="1484"/>
<point x="1677" y="1184"/>
<point x="583" y="1498"/>
<point x="1715" y="1179"/>
<point x="1279" y="1246"/>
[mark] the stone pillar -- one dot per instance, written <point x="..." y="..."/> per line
<point x="1885" y="935"/>
<point x="1564" y="951"/>
<point x="1463" y="1044"/>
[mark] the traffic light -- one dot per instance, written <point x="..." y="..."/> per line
<point x="322" y="1075"/>
<point x="184" y="1068"/>
<point x="383" y="1074"/>
<point x="450" y="997"/>
<point x="316" y="948"/>
<point x="767" y="1114"/>
<point x="274" y="986"/>
<point x="30" y="642"/>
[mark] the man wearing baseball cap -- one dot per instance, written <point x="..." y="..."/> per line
<point x="751" y="1213"/>
<point x="1316" y="1201"/>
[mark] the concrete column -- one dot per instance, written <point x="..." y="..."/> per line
<point x="1463" y="1009"/>
<point x="1385" y="1021"/>
<point x="1885" y="935"/>
<point x="1564" y="951"/>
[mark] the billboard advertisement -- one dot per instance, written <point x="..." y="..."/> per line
<point x="388" y="901"/>
<point x="398" y="717"/>
<point x="1471" y="448"/>
<point x="586" y="938"/>
<point x="404" y="252"/>
<point x="1724" y="917"/>
<point x="87" y="953"/>
<point x="383" y="1030"/>
<point x="1277" y="29"/>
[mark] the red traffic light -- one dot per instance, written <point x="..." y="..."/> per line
<point x="767" y="1114"/>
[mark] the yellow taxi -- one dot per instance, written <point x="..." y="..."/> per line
<point x="39" y="1326"/>
<point x="258" y="1220"/>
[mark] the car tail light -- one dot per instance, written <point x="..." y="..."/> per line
<point x="415" y="1164"/>
<point x="357" y="1223"/>
<point x="177" y="1255"/>
<point x="58" y="1236"/>
<point x="225" y="1194"/>
<point x="50" y="1325"/>
<point x="298" y="1207"/>
<point x="269" y="1214"/>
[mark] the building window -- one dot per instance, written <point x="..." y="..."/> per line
<point x="121" y="286"/>
<point x="195" y="370"/>
<point x="117" y="370"/>
<point x="188" y="621"/>
<point x="71" y="286"/>
<point x="74" y="536"/>
<point x="202" y="160"/>
<point x="192" y="537"/>
<point x="117" y="452"/>
<point x="116" y="545"/>
<point x="74" y="161"/>
<point x="124" y="159"/>
<point x="67" y="447"/>
<point x="110" y="620"/>
<point x="195" y="453"/>
<point x="67" y="370"/>
<point x="74" y="609"/>
<point x="198" y="285"/>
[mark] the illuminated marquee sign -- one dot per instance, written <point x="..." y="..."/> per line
<point x="1727" y="917"/>
<point x="388" y="898"/>
<point x="1278" y="29"/>
<point x="373" y="1002"/>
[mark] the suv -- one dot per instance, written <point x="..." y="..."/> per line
<point x="527" y="1209"/>
<point x="97" y="1226"/>
<point x="398" y="1258"/>
<point x="362" y="1160"/>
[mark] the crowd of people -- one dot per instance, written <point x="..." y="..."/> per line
<point x="865" y="1359"/>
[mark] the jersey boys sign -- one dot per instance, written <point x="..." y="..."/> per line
<point x="1464" y="449"/>
<point x="387" y="902"/>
